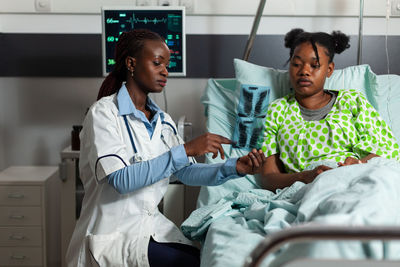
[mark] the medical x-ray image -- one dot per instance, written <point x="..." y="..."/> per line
<point x="251" y="111"/>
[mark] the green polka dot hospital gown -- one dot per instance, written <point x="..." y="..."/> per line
<point x="352" y="128"/>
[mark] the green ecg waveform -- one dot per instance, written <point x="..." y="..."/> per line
<point x="145" y="20"/>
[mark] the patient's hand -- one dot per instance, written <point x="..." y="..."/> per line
<point x="320" y="169"/>
<point x="251" y="163"/>
<point x="349" y="161"/>
<point x="309" y="176"/>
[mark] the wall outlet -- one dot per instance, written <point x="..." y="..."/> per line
<point x="43" y="5"/>
<point x="395" y="8"/>
<point x="189" y="5"/>
<point x="168" y="2"/>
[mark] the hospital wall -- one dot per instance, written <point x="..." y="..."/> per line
<point x="50" y="63"/>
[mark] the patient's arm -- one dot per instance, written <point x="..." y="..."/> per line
<point x="273" y="174"/>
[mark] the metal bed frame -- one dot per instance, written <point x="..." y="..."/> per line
<point x="314" y="233"/>
<point x="308" y="233"/>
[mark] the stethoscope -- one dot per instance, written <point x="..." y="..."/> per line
<point x="137" y="158"/>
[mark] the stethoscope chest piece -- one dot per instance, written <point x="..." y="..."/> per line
<point x="136" y="158"/>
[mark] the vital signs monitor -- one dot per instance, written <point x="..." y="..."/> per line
<point x="167" y="21"/>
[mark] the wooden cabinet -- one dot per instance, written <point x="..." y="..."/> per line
<point x="29" y="216"/>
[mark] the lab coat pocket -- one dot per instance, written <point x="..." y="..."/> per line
<point x="109" y="249"/>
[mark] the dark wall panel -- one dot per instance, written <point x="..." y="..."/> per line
<point x="53" y="55"/>
<point x="79" y="55"/>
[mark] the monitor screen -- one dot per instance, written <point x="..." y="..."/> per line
<point x="169" y="22"/>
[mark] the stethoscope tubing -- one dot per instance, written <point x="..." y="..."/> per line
<point x="130" y="133"/>
<point x="133" y="143"/>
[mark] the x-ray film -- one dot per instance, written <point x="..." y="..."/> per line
<point x="251" y="111"/>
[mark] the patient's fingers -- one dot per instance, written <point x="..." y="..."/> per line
<point x="349" y="161"/>
<point x="321" y="168"/>
<point x="252" y="162"/>
<point x="256" y="158"/>
<point x="262" y="156"/>
<point x="259" y="156"/>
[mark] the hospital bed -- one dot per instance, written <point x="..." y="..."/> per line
<point x="229" y="236"/>
<point x="216" y="223"/>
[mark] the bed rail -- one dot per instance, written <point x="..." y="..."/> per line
<point x="252" y="36"/>
<point x="312" y="233"/>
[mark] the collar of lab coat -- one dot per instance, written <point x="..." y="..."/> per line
<point x="126" y="106"/>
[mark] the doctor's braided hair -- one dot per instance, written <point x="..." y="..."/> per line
<point x="334" y="43"/>
<point x="129" y="44"/>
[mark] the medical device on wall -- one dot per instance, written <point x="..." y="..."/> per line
<point x="169" y="22"/>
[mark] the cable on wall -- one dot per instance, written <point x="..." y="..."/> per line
<point x="388" y="9"/>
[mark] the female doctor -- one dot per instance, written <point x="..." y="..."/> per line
<point x="129" y="150"/>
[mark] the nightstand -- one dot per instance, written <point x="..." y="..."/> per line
<point x="30" y="216"/>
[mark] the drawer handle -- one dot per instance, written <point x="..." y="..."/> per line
<point x="18" y="257"/>
<point x="17" y="217"/>
<point x="16" y="196"/>
<point x="16" y="237"/>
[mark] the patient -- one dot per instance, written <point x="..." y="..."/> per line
<point x="313" y="126"/>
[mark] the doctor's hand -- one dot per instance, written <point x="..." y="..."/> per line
<point x="251" y="163"/>
<point x="206" y="143"/>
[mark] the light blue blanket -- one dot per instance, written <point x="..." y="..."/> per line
<point x="363" y="194"/>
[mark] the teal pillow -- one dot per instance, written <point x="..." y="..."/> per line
<point x="387" y="96"/>
<point x="252" y="74"/>
<point x="358" y="77"/>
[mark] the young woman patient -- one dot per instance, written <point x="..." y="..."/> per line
<point x="311" y="125"/>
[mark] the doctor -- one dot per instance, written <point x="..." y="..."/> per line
<point x="129" y="150"/>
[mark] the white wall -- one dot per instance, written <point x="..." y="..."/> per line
<point x="211" y="7"/>
<point x="91" y="23"/>
<point x="37" y="114"/>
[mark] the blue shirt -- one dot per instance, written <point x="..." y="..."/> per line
<point x="174" y="161"/>
<point x="126" y="107"/>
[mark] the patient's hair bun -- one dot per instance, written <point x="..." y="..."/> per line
<point x="341" y="41"/>
<point x="292" y="36"/>
<point x="334" y="43"/>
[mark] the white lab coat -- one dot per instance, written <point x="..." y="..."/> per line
<point x="114" y="229"/>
